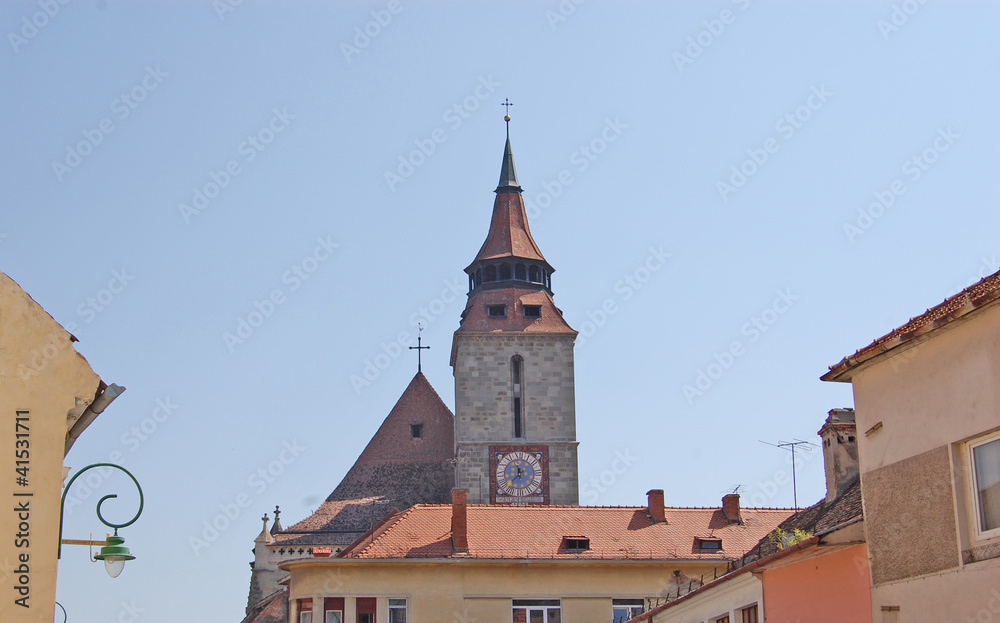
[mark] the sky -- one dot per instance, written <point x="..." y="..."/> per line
<point x="243" y="210"/>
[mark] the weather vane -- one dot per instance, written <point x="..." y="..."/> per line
<point x="418" y="347"/>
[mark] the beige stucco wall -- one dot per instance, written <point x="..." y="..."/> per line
<point x="726" y="598"/>
<point x="40" y="373"/>
<point x="931" y="399"/>
<point x="470" y="590"/>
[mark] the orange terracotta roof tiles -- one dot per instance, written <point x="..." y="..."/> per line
<point x="509" y="235"/>
<point x="952" y="308"/>
<point x="475" y="318"/>
<point x="616" y="533"/>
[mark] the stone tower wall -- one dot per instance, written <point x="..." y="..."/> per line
<point x="484" y="407"/>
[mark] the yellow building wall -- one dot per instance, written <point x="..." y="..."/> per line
<point x="461" y="591"/>
<point x="44" y="381"/>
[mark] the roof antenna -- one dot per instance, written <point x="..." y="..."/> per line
<point x="418" y="347"/>
<point x="792" y="446"/>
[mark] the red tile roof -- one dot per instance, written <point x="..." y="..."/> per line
<point x="475" y="318"/>
<point x="616" y="533"/>
<point x="509" y="235"/>
<point x="951" y="309"/>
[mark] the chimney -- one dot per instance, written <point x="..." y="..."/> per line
<point x="840" y="451"/>
<point x="731" y="507"/>
<point x="655" y="505"/>
<point x="459" y="521"/>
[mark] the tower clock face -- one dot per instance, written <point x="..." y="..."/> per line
<point x="519" y="475"/>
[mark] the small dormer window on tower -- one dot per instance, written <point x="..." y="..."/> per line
<point x="496" y="311"/>
<point x="516" y="363"/>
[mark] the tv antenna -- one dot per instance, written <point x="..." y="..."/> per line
<point x="792" y="446"/>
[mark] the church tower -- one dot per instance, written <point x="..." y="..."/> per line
<point x="512" y="355"/>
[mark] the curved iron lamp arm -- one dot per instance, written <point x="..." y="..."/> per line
<point x="62" y="504"/>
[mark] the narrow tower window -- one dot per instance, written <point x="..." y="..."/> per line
<point x="519" y="272"/>
<point x="515" y="371"/>
<point x="505" y="271"/>
<point x="490" y="274"/>
<point x="534" y="275"/>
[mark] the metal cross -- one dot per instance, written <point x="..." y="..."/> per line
<point x="418" y="347"/>
<point x="506" y="103"/>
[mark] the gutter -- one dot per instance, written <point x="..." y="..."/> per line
<point x="106" y="394"/>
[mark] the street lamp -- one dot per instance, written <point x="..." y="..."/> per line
<point x="113" y="553"/>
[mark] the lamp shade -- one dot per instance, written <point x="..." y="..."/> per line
<point x="114" y="555"/>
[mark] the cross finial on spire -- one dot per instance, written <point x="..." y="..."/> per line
<point x="506" y="103"/>
<point x="264" y="518"/>
<point x="418" y="347"/>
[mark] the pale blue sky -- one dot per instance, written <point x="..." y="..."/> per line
<point x="671" y="118"/>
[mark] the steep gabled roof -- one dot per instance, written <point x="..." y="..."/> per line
<point x="972" y="299"/>
<point x="395" y="471"/>
<point x="539" y="532"/>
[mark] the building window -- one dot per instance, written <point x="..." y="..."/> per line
<point x="397" y="611"/>
<point x="366" y="609"/>
<point x="532" y="311"/>
<point x="519" y="272"/>
<point x="723" y="619"/>
<point x="985" y="461"/>
<point x="534" y="274"/>
<point x="490" y="273"/>
<point x="516" y="363"/>
<point x="334" y="609"/>
<point x="624" y="609"/>
<point x="496" y="311"/>
<point x="577" y="543"/>
<point x="416" y="431"/>
<point x="305" y="610"/>
<point x="710" y="544"/>
<point x="505" y="271"/>
<point x="749" y="614"/>
<point x="536" y="611"/>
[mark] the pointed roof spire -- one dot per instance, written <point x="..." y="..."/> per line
<point x="276" y="526"/>
<point x="508" y="174"/>
<point x="264" y="536"/>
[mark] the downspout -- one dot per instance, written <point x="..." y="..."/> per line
<point x="101" y="402"/>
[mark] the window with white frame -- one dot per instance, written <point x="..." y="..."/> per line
<point x="397" y="611"/>
<point x="984" y="457"/>
<point x="536" y="611"/>
<point x="306" y="617"/>
<point x="624" y="609"/>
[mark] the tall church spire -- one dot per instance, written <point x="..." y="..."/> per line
<point x="509" y="256"/>
<point x="508" y="174"/>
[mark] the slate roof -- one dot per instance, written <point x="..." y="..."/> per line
<point x="818" y="520"/>
<point x="395" y="471"/>
<point x="951" y="309"/>
<point x="620" y="533"/>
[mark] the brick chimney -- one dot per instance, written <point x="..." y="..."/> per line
<point x="655" y="505"/>
<point x="459" y="521"/>
<point x="840" y="451"/>
<point x="731" y="507"/>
